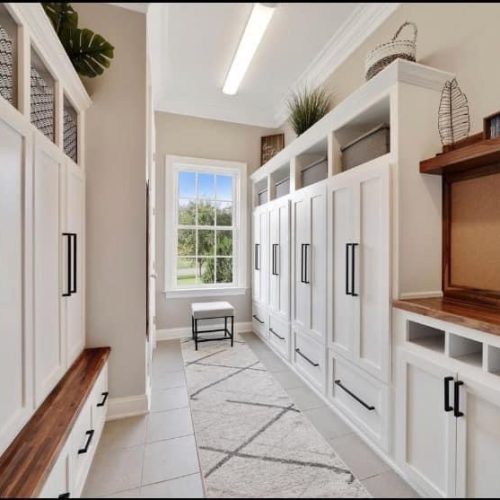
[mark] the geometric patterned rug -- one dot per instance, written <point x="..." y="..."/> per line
<point x="253" y="441"/>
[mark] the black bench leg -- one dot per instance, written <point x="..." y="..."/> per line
<point x="232" y="331"/>
<point x="226" y="333"/>
<point x="195" y="334"/>
<point x="192" y="327"/>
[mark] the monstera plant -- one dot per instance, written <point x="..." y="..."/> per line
<point x="90" y="53"/>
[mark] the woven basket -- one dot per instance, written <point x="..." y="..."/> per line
<point x="382" y="55"/>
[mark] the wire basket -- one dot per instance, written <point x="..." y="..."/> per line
<point x="6" y="66"/>
<point x="382" y="55"/>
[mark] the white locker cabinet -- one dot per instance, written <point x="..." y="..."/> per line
<point x="309" y="260"/>
<point x="74" y="259"/>
<point x="279" y="259"/>
<point x="260" y="268"/>
<point x="359" y="255"/>
<point x="50" y="357"/>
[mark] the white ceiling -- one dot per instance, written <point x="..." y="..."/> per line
<point x="192" y="46"/>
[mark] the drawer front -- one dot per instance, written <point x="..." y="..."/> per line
<point x="100" y="400"/>
<point x="58" y="482"/>
<point x="83" y="440"/>
<point x="260" y="321"/>
<point x="279" y="336"/>
<point x="309" y="357"/>
<point x="363" y="398"/>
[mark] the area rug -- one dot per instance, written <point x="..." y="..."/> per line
<point x="253" y="441"/>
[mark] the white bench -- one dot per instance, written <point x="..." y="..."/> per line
<point x="212" y="310"/>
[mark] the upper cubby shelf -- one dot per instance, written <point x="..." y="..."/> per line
<point x="367" y="107"/>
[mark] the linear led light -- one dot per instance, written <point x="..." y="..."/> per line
<point x="254" y="31"/>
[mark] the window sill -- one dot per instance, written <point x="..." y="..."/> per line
<point x="203" y="292"/>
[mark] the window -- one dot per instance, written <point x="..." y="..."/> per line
<point x="206" y="225"/>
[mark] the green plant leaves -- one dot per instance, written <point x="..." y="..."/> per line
<point x="89" y="52"/>
<point x="306" y="108"/>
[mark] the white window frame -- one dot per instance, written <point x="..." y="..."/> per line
<point x="175" y="164"/>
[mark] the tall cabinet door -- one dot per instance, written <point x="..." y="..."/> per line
<point x="279" y="258"/>
<point x="50" y="361"/>
<point x="478" y="439"/>
<point x="74" y="259"/>
<point x="260" y="242"/>
<point x="309" y="260"/>
<point x="16" y="353"/>
<point x="427" y="432"/>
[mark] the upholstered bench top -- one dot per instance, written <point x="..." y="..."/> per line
<point x="207" y="310"/>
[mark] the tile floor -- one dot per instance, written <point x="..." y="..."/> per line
<point x="155" y="456"/>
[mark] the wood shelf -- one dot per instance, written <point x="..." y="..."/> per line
<point x="27" y="462"/>
<point x="480" y="154"/>
<point x="463" y="314"/>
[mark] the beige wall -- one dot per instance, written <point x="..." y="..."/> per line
<point x="202" y="138"/>
<point x="116" y="227"/>
<point x="455" y="37"/>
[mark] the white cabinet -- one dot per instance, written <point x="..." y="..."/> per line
<point x="309" y="274"/>
<point x="359" y="255"/>
<point x="279" y="258"/>
<point x="50" y="355"/>
<point x="75" y="259"/>
<point x="427" y="432"/>
<point x="260" y="286"/>
<point x="16" y="367"/>
<point x="59" y="484"/>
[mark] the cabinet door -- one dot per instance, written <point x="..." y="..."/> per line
<point x="16" y="353"/>
<point x="342" y="219"/>
<point x="426" y="436"/>
<point x="49" y="339"/>
<point x="279" y="259"/>
<point x="75" y="229"/>
<point x="478" y="439"/>
<point x="372" y="259"/>
<point x="59" y="481"/>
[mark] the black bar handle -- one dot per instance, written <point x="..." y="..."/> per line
<point x="456" y="411"/>
<point x="358" y="399"/>
<point x="64" y="495"/>
<point x="257" y="318"/>
<point x="85" y="449"/>
<point x="257" y="259"/>
<point x="347" y="291"/>
<point x="69" y="259"/>
<point x="447" y="406"/>
<point x="105" y="397"/>
<point x="353" y="268"/>
<point x="297" y="350"/>
<point x="306" y="253"/>
<point x="275" y="334"/>
<point x="74" y="237"/>
<point x="275" y="260"/>
<point x="302" y="263"/>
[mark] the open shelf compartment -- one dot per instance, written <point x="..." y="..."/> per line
<point x="426" y="336"/>
<point x="280" y="182"/>
<point x="466" y="350"/>
<point x="312" y="165"/>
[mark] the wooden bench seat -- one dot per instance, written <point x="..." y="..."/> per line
<point x="27" y="462"/>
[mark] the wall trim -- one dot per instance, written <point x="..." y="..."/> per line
<point x="421" y="295"/>
<point x="129" y="406"/>
<point x="356" y="29"/>
<point x="185" y="331"/>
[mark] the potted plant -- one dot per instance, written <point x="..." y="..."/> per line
<point x="306" y="108"/>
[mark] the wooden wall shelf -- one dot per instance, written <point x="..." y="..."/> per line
<point x="480" y="154"/>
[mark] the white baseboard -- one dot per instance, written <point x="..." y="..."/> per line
<point x="421" y="295"/>
<point x="129" y="406"/>
<point x="185" y="331"/>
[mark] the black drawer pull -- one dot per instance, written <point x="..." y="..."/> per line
<point x="85" y="449"/>
<point x="360" y="401"/>
<point x="456" y="410"/>
<point x="69" y="258"/>
<point x="275" y="334"/>
<point x="257" y="318"/>
<point x="64" y="495"/>
<point x="447" y="406"/>
<point x="297" y="350"/>
<point x="103" y="402"/>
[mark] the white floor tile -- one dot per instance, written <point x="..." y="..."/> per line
<point x="327" y="423"/>
<point x="183" y="487"/>
<point x="123" y="433"/>
<point x="305" y="398"/>
<point x="169" y="380"/>
<point x="389" y="485"/>
<point x="169" y="424"/>
<point x="169" y="399"/>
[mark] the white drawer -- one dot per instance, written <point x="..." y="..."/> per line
<point x="99" y="400"/>
<point x="363" y="398"/>
<point x="279" y="336"/>
<point x="83" y="441"/>
<point x="58" y="483"/>
<point x="309" y="357"/>
<point x="260" y="321"/>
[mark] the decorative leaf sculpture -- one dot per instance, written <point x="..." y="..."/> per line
<point x="90" y="53"/>
<point x="306" y="108"/>
<point x="453" y="118"/>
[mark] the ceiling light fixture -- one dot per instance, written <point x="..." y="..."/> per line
<point x="254" y="31"/>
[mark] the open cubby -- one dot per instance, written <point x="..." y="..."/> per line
<point x="261" y="193"/>
<point x="312" y="164"/>
<point x="280" y="181"/>
<point x="493" y="364"/>
<point x="426" y="336"/>
<point x="466" y="350"/>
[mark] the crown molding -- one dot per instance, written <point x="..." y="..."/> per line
<point x="50" y="49"/>
<point x="140" y="7"/>
<point x="355" y="30"/>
